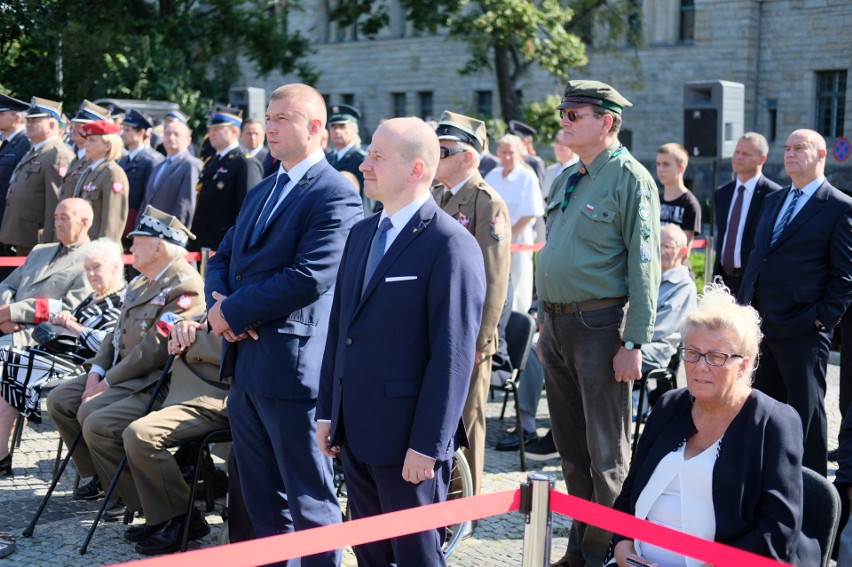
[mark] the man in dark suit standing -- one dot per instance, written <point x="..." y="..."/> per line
<point x="270" y="288"/>
<point x="140" y="161"/>
<point x="13" y="147"/>
<point x="251" y="138"/>
<point x="799" y="278"/>
<point x="738" y="205"/>
<point x="226" y="178"/>
<point x="393" y="387"/>
<point x="171" y="186"/>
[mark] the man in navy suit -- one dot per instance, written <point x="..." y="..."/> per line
<point x="13" y="147"/>
<point x="401" y="344"/>
<point x="139" y="162"/>
<point x="799" y="277"/>
<point x="738" y="205"/>
<point x="270" y="286"/>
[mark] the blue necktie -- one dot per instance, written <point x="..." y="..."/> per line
<point x="271" y="202"/>
<point x="160" y="172"/>
<point x="377" y="250"/>
<point x="788" y="214"/>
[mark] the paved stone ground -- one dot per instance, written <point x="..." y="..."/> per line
<point x="497" y="541"/>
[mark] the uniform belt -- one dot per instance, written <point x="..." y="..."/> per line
<point x="583" y="306"/>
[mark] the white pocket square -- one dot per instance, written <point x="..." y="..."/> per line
<point x="400" y="279"/>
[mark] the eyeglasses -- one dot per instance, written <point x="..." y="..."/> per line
<point x="573" y="116"/>
<point x="712" y="358"/>
<point x="447" y="152"/>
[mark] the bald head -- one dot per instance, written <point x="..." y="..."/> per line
<point x="673" y="246"/>
<point x="401" y="162"/>
<point x="72" y="219"/>
<point x="804" y="157"/>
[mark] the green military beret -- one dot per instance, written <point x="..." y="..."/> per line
<point x="585" y="93"/>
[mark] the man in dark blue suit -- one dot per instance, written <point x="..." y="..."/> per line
<point x="401" y="345"/>
<point x="13" y="147"/>
<point x="799" y="278"/>
<point x="738" y="205"/>
<point x="270" y="286"/>
<point x="139" y="162"/>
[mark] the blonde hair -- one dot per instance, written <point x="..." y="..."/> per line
<point x="677" y="151"/>
<point x="718" y="310"/>
<point x="115" y="146"/>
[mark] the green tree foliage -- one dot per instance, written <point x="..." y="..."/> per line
<point x="180" y="50"/>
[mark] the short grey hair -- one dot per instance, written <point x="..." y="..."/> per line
<point x="172" y="250"/>
<point x="758" y="140"/>
<point x="107" y="250"/>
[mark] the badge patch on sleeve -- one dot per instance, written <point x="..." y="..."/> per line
<point x="498" y="229"/>
<point x="645" y="253"/>
<point x="184" y="301"/>
<point x="117" y="186"/>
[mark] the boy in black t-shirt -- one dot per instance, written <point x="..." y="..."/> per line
<point x="677" y="203"/>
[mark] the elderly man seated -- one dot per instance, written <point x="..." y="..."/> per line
<point x="132" y="357"/>
<point x="52" y="278"/>
<point x="676" y="299"/>
<point x="194" y="406"/>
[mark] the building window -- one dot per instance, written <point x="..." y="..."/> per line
<point x="398" y="104"/>
<point x="348" y="98"/>
<point x="687" y="21"/>
<point x="485" y="104"/>
<point x="772" y="129"/>
<point x="831" y="103"/>
<point x="425" y="104"/>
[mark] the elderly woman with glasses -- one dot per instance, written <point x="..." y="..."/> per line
<point x="718" y="459"/>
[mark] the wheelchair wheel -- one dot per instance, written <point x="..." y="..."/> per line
<point x="461" y="486"/>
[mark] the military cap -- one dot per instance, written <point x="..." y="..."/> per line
<point x="177" y="116"/>
<point x="99" y="128"/>
<point x="222" y="114"/>
<point x="158" y="224"/>
<point x="114" y="110"/>
<point x="342" y="113"/>
<point x="42" y="107"/>
<point x="462" y="128"/>
<point x="63" y="121"/>
<point x="135" y="119"/>
<point x="595" y="93"/>
<point x="13" y="104"/>
<point x="518" y="128"/>
<point x="89" y="112"/>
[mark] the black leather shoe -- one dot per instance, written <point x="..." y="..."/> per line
<point x="511" y="442"/>
<point x="142" y="531"/>
<point x="92" y="490"/>
<point x="167" y="540"/>
<point x="115" y="512"/>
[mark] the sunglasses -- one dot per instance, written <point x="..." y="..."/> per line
<point x="447" y="152"/>
<point x="573" y="116"/>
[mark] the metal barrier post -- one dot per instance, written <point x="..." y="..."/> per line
<point x="535" y="505"/>
<point x="202" y="265"/>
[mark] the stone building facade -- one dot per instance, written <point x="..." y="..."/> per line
<point x="792" y="56"/>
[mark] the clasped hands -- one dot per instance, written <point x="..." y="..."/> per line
<point x="7" y="326"/>
<point x="221" y="327"/>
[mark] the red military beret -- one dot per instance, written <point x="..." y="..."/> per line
<point x="99" y="128"/>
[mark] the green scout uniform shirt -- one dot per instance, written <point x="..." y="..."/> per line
<point x="605" y="243"/>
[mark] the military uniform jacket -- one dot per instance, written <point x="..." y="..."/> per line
<point x="350" y="162"/>
<point x="10" y="154"/>
<point x="76" y="168"/>
<point x="138" y="170"/>
<point x="39" y="289"/>
<point x="606" y="243"/>
<point x="482" y="211"/>
<point x="33" y="194"/>
<point x="105" y="187"/>
<point x="135" y="353"/>
<point x="195" y="374"/>
<point x="222" y="188"/>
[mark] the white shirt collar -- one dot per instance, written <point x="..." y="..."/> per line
<point x="300" y="169"/>
<point x="38" y="146"/>
<point x="96" y="164"/>
<point x="342" y="152"/>
<point x="811" y="187"/>
<point x="458" y="187"/>
<point x="402" y="217"/>
<point x="12" y="135"/>
<point x="228" y="150"/>
<point x="81" y="153"/>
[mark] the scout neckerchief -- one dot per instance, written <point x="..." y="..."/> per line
<point x="574" y="178"/>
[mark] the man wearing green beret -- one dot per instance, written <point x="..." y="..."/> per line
<point x="602" y="252"/>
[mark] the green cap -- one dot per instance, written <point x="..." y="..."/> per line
<point x="585" y="93"/>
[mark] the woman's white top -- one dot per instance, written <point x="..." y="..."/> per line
<point x="679" y="495"/>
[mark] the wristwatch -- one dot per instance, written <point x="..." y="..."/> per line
<point x="630" y="345"/>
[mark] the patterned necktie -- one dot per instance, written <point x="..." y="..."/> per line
<point x="573" y="180"/>
<point x="377" y="250"/>
<point x="271" y="202"/>
<point x="731" y="233"/>
<point x="788" y="214"/>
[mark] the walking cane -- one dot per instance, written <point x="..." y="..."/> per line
<point x="123" y="461"/>
<point x="56" y="476"/>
